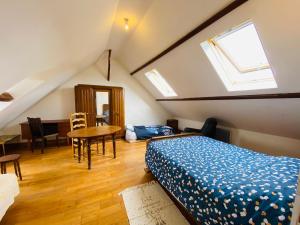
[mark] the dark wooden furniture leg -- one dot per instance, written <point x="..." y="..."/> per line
<point x="57" y="141"/>
<point x="43" y="146"/>
<point x="29" y="144"/>
<point x="103" y="145"/>
<point x="15" y="167"/>
<point x="114" y="144"/>
<point x="97" y="146"/>
<point x="32" y="144"/>
<point x="2" y="170"/>
<point x="89" y="153"/>
<point x="19" y="169"/>
<point x="79" y="150"/>
<point x="4" y="167"/>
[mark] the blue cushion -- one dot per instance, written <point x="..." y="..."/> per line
<point x="145" y="133"/>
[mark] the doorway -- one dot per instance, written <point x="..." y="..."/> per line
<point x="103" y="108"/>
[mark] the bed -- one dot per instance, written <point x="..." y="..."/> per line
<point x="219" y="183"/>
<point x="9" y="189"/>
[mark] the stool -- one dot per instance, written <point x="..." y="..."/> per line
<point x="11" y="158"/>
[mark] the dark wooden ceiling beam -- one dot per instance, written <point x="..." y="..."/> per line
<point x="108" y="65"/>
<point x="235" y="97"/>
<point x="232" y="6"/>
<point x="6" y="97"/>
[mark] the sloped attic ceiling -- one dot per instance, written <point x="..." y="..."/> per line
<point x="190" y="73"/>
<point x="47" y="42"/>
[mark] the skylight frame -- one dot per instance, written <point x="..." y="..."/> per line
<point x="234" y="63"/>
<point x="160" y="83"/>
<point x="234" y="77"/>
<point x="215" y="42"/>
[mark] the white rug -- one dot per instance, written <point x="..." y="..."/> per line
<point x="148" y="204"/>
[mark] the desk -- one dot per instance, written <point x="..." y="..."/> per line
<point x="4" y="139"/>
<point x="94" y="133"/>
<point x="62" y="127"/>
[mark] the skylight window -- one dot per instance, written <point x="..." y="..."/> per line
<point x="160" y="83"/>
<point x="239" y="59"/>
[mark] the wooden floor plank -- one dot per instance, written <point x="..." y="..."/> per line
<point x="58" y="190"/>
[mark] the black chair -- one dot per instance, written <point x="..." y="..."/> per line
<point x="222" y="135"/>
<point x="208" y="129"/>
<point x="37" y="133"/>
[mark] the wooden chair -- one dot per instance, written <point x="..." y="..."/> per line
<point x="37" y="133"/>
<point x="77" y="121"/>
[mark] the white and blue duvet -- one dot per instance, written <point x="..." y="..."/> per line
<point x="219" y="183"/>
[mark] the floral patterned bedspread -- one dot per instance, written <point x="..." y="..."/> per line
<point x="220" y="183"/>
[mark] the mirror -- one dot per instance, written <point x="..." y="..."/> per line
<point x="103" y="108"/>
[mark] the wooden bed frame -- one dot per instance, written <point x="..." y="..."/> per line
<point x="179" y="205"/>
<point x="296" y="209"/>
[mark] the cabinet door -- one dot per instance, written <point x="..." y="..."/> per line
<point x="85" y="102"/>
<point x="117" y="101"/>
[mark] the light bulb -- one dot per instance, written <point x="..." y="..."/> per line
<point x="126" y="26"/>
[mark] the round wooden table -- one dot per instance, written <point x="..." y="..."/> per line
<point x="92" y="133"/>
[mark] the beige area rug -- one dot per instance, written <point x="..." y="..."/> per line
<point x="148" y="204"/>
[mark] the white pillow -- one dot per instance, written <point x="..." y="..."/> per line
<point x="130" y="127"/>
<point x="130" y="135"/>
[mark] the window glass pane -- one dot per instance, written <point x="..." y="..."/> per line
<point x="239" y="59"/>
<point x="244" y="47"/>
<point x="160" y="83"/>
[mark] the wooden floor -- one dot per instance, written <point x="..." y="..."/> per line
<point x="57" y="190"/>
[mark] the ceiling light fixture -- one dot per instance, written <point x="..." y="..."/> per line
<point x="126" y="26"/>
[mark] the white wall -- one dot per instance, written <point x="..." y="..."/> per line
<point x="140" y="106"/>
<point x="261" y="142"/>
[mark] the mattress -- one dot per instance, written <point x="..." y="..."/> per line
<point x="9" y="189"/>
<point x="220" y="183"/>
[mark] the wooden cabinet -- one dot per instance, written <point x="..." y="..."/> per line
<point x="85" y="101"/>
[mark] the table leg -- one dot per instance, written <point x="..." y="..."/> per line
<point x="103" y="145"/>
<point x="79" y="150"/>
<point x="19" y="170"/>
<point x="3" y="148"/>
<point x="15" y="167"/>
<point x="89" y="153"/>
<point x="114" y="144"/>
<point x="29" y="144"/>
<point x="4" y="167"/>
<point x="97" y="147"/>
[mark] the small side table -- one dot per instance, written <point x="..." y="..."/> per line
<point x="174" y="124"/>
<point x="11" y="158"/>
